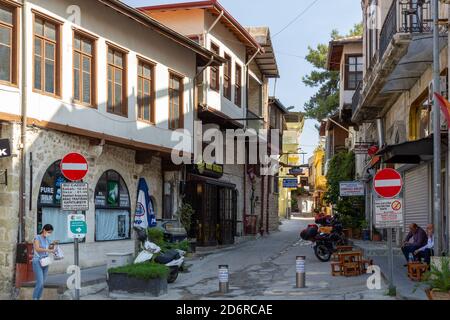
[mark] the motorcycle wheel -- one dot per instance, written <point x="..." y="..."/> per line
<point x="322" y="253"/>
<point x="173" y="275"/>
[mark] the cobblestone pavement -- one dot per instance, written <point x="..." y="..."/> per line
<point x="265" y="269"/>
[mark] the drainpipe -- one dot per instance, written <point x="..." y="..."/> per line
<point x="23" y="129"/>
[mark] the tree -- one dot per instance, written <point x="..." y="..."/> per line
<point x="326" y="100"/>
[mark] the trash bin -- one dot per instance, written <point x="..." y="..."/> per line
<point x="24" y="264"/>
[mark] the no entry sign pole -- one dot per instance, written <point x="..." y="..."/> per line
<point x="74" y="167"/>
<point x="388" y="184"/>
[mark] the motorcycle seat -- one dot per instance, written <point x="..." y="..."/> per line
<point x="167" y="257"/>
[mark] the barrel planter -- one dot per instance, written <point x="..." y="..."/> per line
<point x="122" y="283"/>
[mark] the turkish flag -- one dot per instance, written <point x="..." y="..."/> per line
<point x="445" y="106"/>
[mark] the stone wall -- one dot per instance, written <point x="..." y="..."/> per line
<point x="9" y="204"/>
<point x="48" y="146"/>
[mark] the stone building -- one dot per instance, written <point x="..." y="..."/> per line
<point x="96" y="88"/>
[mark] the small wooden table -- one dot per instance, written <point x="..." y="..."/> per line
<point x="416" y="270"/>
<point x="349" y="264"/>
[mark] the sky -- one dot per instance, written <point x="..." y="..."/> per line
<point x="291" y="45"/>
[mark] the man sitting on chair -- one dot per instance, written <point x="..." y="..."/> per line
<point x="426" y="251"/>
<point x="419" y="239"/>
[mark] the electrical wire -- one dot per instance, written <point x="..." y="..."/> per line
<point x="296" y="18"/>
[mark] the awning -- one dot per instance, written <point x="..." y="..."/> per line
<point x="412" y="152"/>
<point x="211" y="115"/>
<point x="191" y="177"/>
<point x="415" y="62"/>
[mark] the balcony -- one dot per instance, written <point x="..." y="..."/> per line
<point x="404" y="54"/>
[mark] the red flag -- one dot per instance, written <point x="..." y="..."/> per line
<point x="445" y="106"/>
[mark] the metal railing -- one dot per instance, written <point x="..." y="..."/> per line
<point x="405" y="16"/>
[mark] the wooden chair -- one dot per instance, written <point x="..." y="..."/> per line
<point x="336" y="269"/>
<point x="416" y="270"/>
<point x="365" y="263"/>
<point x="339" y="249"/>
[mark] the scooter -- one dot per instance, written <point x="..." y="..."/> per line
<point x="173" y="259"/>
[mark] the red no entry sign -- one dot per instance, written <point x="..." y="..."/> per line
<point x="388" y="183"/>
<point x="74" y="166"/>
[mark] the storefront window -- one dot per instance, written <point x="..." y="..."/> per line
<point x="112" y="208"/>
<point x="420" y="118"/>
<point x="49" y="204"/>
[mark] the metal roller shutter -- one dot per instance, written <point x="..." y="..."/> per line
<point x="417" y="197"/>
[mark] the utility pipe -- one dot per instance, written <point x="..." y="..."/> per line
<point x="23" y="129"/>
<point x="437" y="221"/>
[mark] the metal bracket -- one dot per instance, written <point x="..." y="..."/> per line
<point x="4" y="174"/>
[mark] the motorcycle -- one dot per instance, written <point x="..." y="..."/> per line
<point x="324" y="244"/>
<point x="174" y="259"/>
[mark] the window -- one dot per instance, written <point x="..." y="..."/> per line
<point x="46" y="56"/>
<point x="49" y="204"/>
<point x="8" y="44"/>
<point x="214" y="77"/>
<point x="354" y="72"/>
<point x="176" y="90"/>
<point x="112" y="208"/>
<point x="117" y="92"/>
<point x="83" y="69"/>
<point x="420" y="117"/>
<point x="227" y="78"/>
<point x="145" y="92"/>
<point x="238" y="86"/>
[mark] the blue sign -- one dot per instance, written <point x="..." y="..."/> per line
<point x="291" y="183"/>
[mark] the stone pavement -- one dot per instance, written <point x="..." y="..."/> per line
<point x="264" y="269"/>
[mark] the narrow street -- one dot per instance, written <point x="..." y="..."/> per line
<point x="265" y="269"/>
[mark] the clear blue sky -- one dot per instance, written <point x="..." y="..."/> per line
<point x="291" y="45"/>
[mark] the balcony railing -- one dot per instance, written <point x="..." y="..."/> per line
<point x="356" y="97"/>
<point x="405" y="16"/>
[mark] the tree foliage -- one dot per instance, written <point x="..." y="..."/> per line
<point x="326" y="100"/>
<point x="342" y="168"/>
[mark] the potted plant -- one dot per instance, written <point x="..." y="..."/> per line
<point x="185" y="214"/>
<point x="376" y="235"/>
<point x="438" y="280"/>
<point x="146" y="278"/>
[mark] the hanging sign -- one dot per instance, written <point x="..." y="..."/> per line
<point x="351" y="189"/>
<point x="5" y="148"/>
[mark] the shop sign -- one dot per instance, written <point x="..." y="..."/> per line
<point x="389" y="213"/>
<point x="351" y="189"/>
<point x="290" y="183"/>
<point x="209" y="169"/>
<point x="5" y="148"/>
<point x="296" y="171"/>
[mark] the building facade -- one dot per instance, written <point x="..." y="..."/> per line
<point x="393" y="106"/>
<point x="92" y="87"/>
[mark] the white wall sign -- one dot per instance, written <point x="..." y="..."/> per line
<point x="351" y="189"/>
<point x="74" y="197"/>
<point x="389" y="213"/>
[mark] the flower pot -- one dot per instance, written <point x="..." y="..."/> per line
<point x="122" y="283"/>
<point x="435" y="294"/>
<point x="356" y="233"/>
<point x="376" y="237"/>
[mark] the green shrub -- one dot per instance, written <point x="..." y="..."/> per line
<point x="156" y="235"/>
<point x="144" y="271"/>
<point x="439" y="278"/>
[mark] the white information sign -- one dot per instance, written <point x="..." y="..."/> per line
<point x="74" y="197"/>
<point x="389" y="213"/>
<point x="351" y="189"/>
